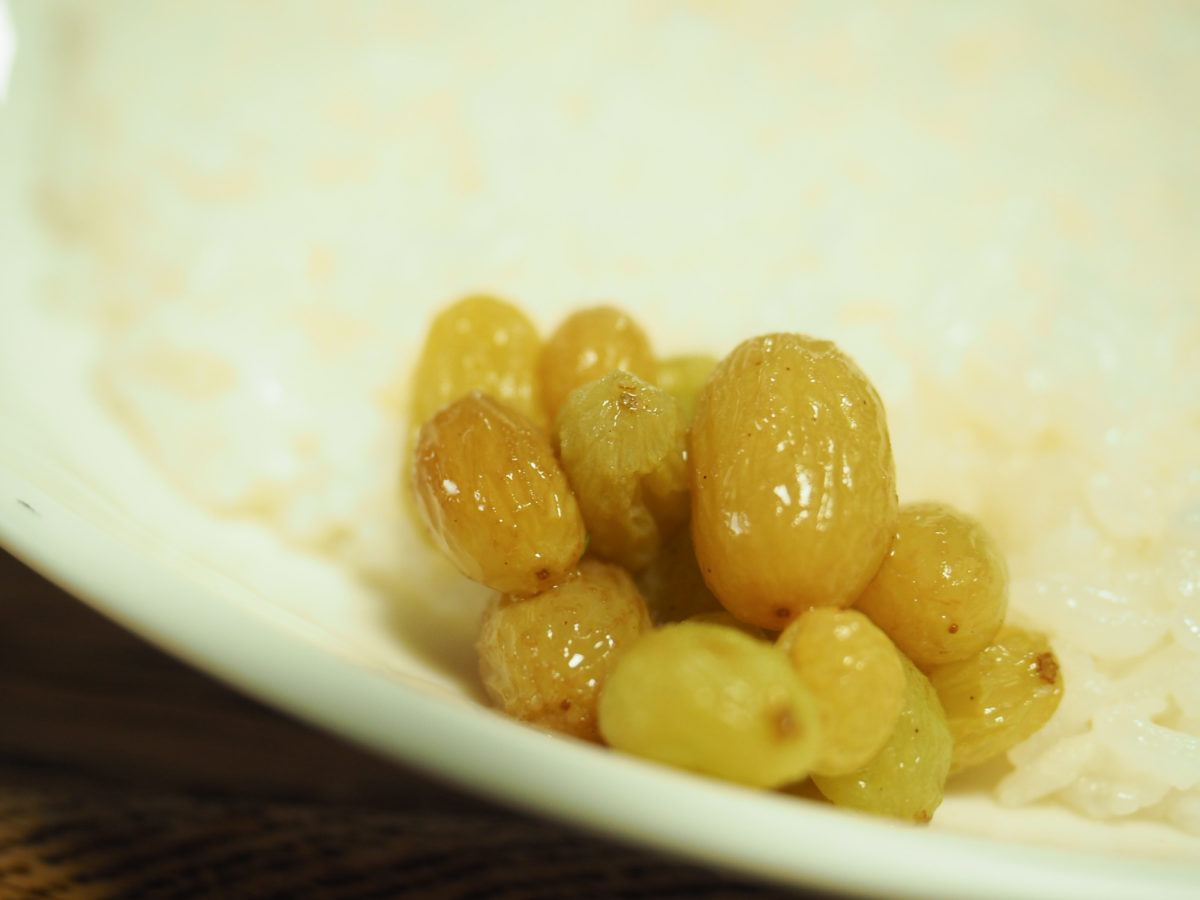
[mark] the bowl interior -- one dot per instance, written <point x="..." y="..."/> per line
<point x="954" y="197"/>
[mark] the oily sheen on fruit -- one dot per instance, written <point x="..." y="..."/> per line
<point x="793" y="483"/>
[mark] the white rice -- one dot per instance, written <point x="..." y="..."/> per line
<point x="1095" y="491"/>
<point x="991" y="207"/>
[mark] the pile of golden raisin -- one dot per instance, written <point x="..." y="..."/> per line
<point x="705" y="563"/>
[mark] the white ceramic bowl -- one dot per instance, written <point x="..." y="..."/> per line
<point x="962" y="185"/>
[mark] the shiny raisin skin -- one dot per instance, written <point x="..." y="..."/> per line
<point x="941" y="592"/>
<point x="906" y="779"/>
<point x="480" y="343"/>
<point x="623" y="444"/>
<point x="1000" y="696"/>
<point x="495" y="498"/>
<point x="793" y="482"/>
<point x="857" y="677"/>
<point x="544" y="659"/>
<point x="588" y="345"/>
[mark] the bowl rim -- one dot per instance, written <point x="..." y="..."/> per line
<point x="775" y="839"/>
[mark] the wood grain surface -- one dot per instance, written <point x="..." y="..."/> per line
<point x="124" y="773"/>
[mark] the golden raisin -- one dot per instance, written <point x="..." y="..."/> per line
<point x="725" y="618"/>
<point x="483" y="344"/>
<point x="544" y="659"/>
<point x="857" y="677"/>
<point x="793" y="482"/>
<point x="906" y="779"/>
<point x="683" y="378"/>
<point x="711" y="699"/>
<point x="672" y="584"/>
<point x="494" y="497"/>
<point x="588" y="345"/>
<point x="1000" y="696"/>
<point x="622" y="443"/>
<point x="941" y="593"/>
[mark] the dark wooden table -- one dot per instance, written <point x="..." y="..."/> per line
<point x="124" y="773"/>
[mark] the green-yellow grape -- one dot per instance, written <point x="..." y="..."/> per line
<point x="683" y="378"/>
<point x="726" y="619"/>
<point x="713" y="700"/>
<point x="623" y="445"/>
<point x="1000" y="696"/>
<point x="857" y="677"/>
<point x="941" y="593"/>
<point x="907" y="778"/>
